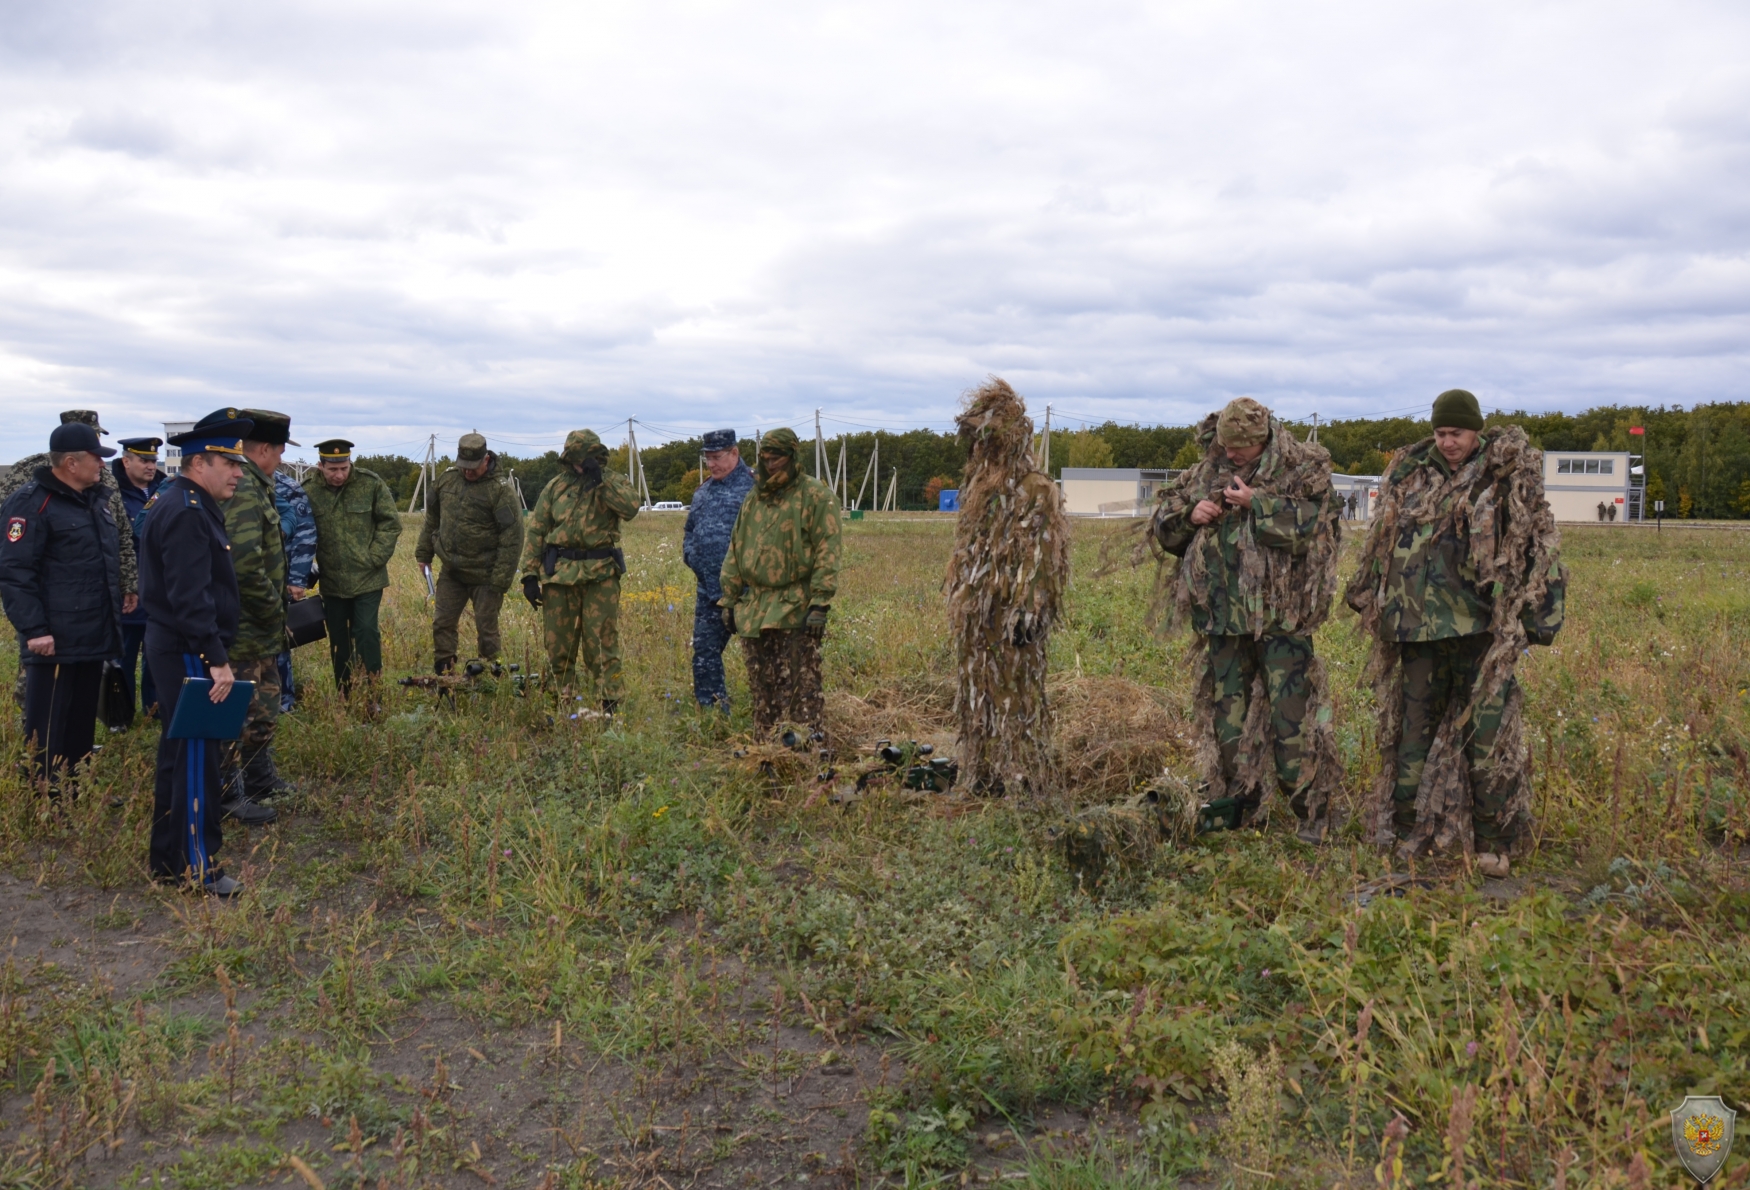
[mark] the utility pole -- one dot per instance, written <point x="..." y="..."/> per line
<point x="1045" y="443"/>
<point x="819" y="444"/>
<point x="844" y="483"/>
<point x="1314" y="436"/>
<point x="427" y="476"/>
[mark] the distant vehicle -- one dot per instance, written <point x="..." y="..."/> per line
<point x="668" y="506"/>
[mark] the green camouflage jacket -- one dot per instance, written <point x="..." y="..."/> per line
<point x="1290" y="514"/>
<point x="24" y="471"/>
<point x="475" y="526"/>
<point x="258" y="554"/>
<point x="568" y="516"/>
<point x="783" y="555"/>
<point x="1431" y="590"/>
<point x="356" y="529"/>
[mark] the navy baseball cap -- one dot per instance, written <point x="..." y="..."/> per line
<point x="719" y="439"/>
<point x="75" y="436"/>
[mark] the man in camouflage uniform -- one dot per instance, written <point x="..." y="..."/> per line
<point x="779" y="578"/>
<point x="474" y="522"/>
<point x="1460" y="573"/>
<point x="24" y="471"/>
<point x="298" y="527"/>
<point x="247" y="774"/>
<point x="357" y="526"/>
<point x="1256" y="525"/>
<point x="138" y="478"/>
<point x="573" y="543"/>
<point x="703" y="544"/>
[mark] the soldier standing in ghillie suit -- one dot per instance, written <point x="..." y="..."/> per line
<point x="1255" y="526"/>
<point x="572" y="565"/>
<point x="779" y="578"/>
<point x="1005" y="586"/>
<point x="1460" y="573"/>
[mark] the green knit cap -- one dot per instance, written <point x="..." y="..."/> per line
<point x="1456" y="409"/>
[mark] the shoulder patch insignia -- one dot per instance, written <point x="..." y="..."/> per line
<point x="15" y="528"/>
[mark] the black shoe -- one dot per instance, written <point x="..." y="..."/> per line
<point x="261" y="779"/>
<point x="244" y="811"/>
<point x="610" y="706"/>
<point x="222" y="886"/>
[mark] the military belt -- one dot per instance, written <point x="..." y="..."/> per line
<point x="551" y="555"/>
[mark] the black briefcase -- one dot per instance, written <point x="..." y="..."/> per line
<point x="305" y="621"/>
<point x="115" y="706"/>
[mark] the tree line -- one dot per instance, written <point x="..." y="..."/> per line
<point x="1698" y="460"/>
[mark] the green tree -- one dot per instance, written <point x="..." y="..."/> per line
<point x="1087" y="449"/>
<point x="1189" y="455"/>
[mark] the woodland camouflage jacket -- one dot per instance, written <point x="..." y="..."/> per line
<point x="24" y="471"/>
<point x="1265" y="569"/>
<point x="258" y="555"/>
<point x="572" y="517"/>
<point x="475" y="526"/>
<point x="356" y="529"/>
<point x="1432" y="589"/>
<point x="783" y="555"/>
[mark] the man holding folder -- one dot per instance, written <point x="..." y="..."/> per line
<point x="189" y="590"/>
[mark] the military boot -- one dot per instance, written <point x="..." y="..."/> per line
<point x="610" y="707"/>
<point x="1310" y="830"/>
<point x="261" y="779"/>
<point x="443" y="666"/>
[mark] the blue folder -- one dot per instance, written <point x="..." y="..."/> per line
<point x="198" y="717"/>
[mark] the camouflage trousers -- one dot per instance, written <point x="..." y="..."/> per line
<point x="1437" y="672"/>
<point x="453" y="595"/>
<point x="783" y="676"/>
<point x="263" y="715"/>
<point x="1285" y="663"/>
<point x="586" y="615"/>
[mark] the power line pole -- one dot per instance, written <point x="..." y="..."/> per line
<point x="819" y="444"/>
<point x="1045" y="443"/>
<point x="1314" y="436"/>
<point x="427" y="476"/>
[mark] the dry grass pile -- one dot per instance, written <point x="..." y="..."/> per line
<point x="1112" y="734"/>
<point x="920" y="708"/>
<point x="1101" y="840"/>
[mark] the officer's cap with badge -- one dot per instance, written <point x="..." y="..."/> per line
<point x="716" y="440"/>
<point x="335" y="450"/>
<point x="141" y="448"/>
<point x="70" y="437"/>
<point x="220" y="432"/>
<point x="274" y="429"/>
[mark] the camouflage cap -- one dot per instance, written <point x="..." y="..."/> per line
<point x="781" y="441"/>
<point x="83" y="416"/>
<point x="1243" y="423"/>
<point x="582" y="445"/>
<point x="471" y="448"/>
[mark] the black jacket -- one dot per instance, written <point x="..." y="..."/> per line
<point x="60" y="570"/>
<point x="187" y="585"/>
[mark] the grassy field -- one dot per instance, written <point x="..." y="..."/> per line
<point x="495" y="945"/>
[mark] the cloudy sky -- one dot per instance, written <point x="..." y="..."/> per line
<point x="391" y="218"/>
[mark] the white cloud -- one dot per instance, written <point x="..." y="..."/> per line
<point x="390" y="219"/>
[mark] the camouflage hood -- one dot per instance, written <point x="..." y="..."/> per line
<point x="581" y="445"/>
<point x="1295" y="588"/>
<point x="781" y="441"/>
<point x="995" y="426"/>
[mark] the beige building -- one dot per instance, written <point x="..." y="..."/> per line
<point x="1577" y="482"/>
<point x="1111" y="491"/>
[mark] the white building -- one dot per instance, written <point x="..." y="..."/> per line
<point x="173" y="454"/>
<point x="1577" y="482"/>
<point x="1131" y="491"/>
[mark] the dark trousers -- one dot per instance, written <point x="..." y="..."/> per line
<point x="353" y="634"/>
<point x="710" y="638"/>
<point x="133" y="648"/>
<point x="783" y="675"/>
<point x="60" y="716"/>
<point x="185" y="797"/>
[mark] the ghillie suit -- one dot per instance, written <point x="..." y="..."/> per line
<point x="1005" y="587"/>
<point x="1096" y="842"/>
<point x="1254" y="584"/>
<point x="1440" y="541"/>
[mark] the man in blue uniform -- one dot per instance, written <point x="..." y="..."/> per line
<point x="60" y="578"/>
<point x="714" y="509"/>
<point x="298" y="526"/>
<point x="138" y="478"/>
<point x="192" y="612"/>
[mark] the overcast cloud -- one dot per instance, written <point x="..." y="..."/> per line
<point x="390" y="219"/>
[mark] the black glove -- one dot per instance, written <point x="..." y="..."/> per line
<point x="532" y="590"/>
<point x="729" y="617"/>
<point x="591" y="470"/>
<point x="816" y="617"/>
